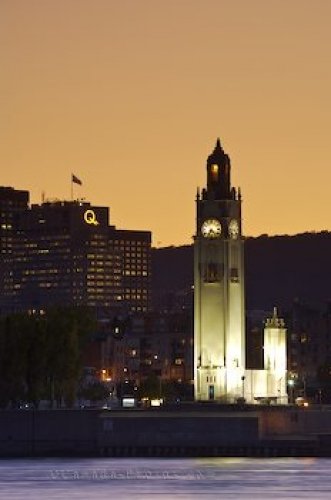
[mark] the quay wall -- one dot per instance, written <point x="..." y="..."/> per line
<point x="288" y="432"/>
<point x="295" y="421"/>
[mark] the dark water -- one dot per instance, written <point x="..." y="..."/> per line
<point x="110" y="478"/>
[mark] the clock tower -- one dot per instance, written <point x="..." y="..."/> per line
<point x="219" y="322"/>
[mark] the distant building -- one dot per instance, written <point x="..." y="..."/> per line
<point x="134" y="249"/>
<point x="309" y="348"/>
<point x="66" y="253"/>
<point x="152" y="344"/>
<point x="12" y="203"/>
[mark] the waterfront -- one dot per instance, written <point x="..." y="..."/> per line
<point x="226" y="478"/>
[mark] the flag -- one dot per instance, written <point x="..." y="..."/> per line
<point x="76" y="180"/>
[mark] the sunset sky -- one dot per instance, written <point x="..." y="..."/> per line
<point x="130" y="96"/>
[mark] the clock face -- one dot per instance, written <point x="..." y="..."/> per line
<point x="211" y="228"/>
<point x="233" y="229"/>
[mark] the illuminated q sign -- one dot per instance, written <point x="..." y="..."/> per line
<point x="90" y="217"/>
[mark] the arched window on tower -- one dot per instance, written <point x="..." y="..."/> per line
<point x="214" y="172"/>
<point x="212" y="271"/>
<point x="212" y="274"/>
<point x="234" y="265"/>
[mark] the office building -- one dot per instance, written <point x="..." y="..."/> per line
<point x="12" y="203"/>
<point x="66" y="253"/>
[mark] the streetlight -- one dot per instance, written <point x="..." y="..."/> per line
<point x="243" y="386"/>
<point x="290" y="384"/>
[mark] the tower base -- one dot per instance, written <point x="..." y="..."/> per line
<point x="232" y="385"/>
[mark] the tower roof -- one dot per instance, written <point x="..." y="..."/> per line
<point x="218" y="147"/>
<point x="218" y="152"/>
<point x="275" y="321"/>
<point x="218" y="144"/>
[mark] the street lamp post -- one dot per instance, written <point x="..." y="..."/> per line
<point x="243" y="386"/>
<point x="290" y="384"/>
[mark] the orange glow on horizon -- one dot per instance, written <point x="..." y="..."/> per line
<point x="110" y="89"/>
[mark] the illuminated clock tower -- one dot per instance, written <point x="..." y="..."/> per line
<point x="219" y="323"/>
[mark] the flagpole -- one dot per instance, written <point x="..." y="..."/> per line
<point x="74" y="180"/>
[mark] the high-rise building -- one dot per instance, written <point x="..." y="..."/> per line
<point x="12" y="203"/>
<point x="134" y="248"/>
<point x="66" y="253"/>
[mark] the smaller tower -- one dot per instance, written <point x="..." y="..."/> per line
<point x="275" y="357"/>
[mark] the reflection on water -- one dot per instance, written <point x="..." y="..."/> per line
<point x="107" y="478"/>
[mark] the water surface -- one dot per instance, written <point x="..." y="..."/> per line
<point x="121" y="478"/>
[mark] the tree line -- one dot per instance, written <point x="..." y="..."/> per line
<point x="40" y="355"/>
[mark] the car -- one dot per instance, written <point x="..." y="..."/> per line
<point x="302" y="402"/>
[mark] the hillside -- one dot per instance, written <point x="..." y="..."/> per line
<point x="278" y="270"/>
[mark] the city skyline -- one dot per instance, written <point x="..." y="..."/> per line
<point x="132" y="97"/>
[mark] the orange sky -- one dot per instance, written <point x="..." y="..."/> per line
<point x="130" y="95"/>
